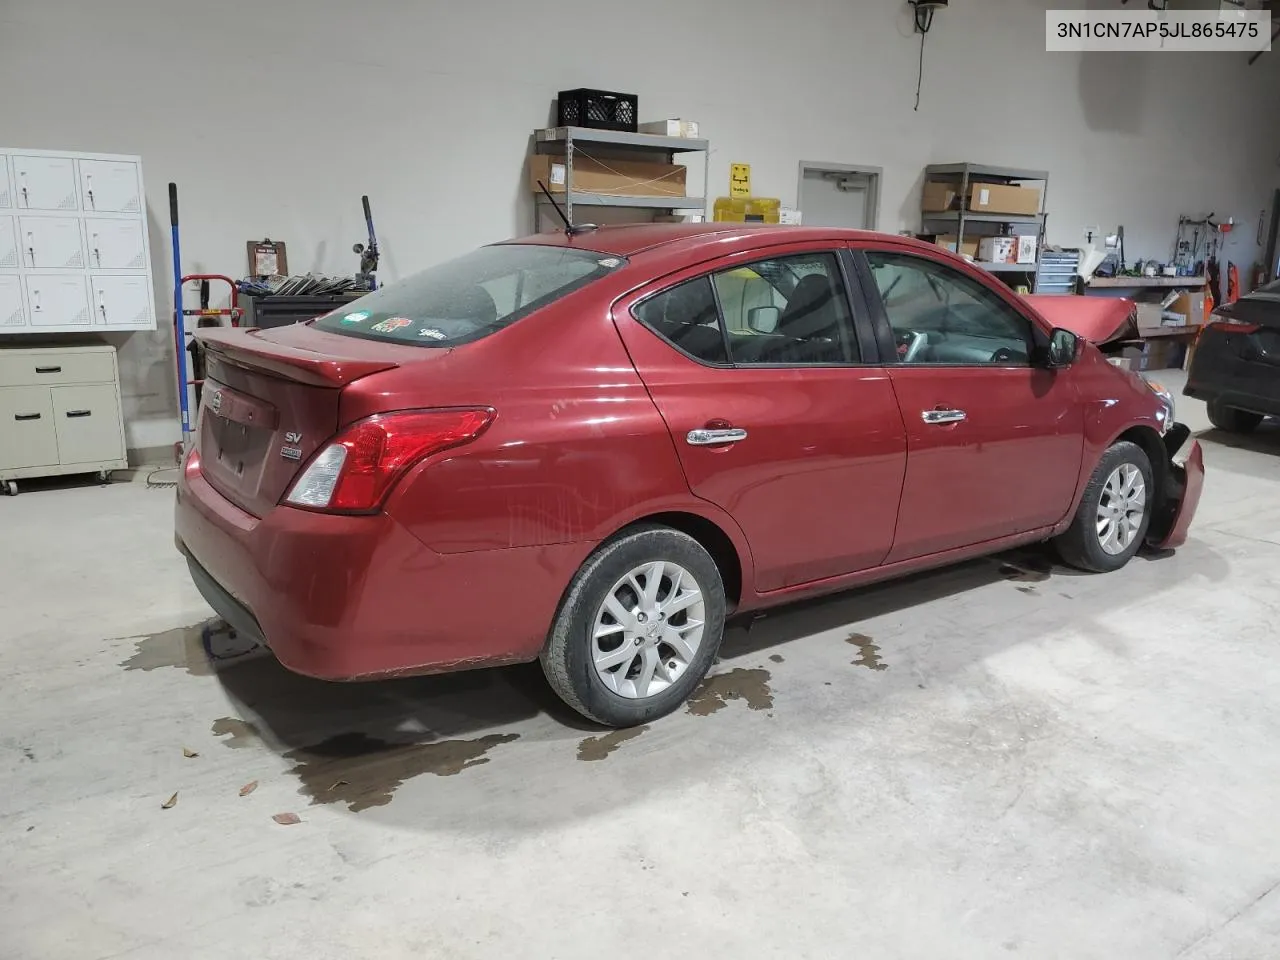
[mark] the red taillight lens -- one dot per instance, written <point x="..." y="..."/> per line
<point x="355" y="471"/>
<point x="192" y="467"/>
<point x="1223" y="325"/>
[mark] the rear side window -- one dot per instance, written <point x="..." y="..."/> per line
<point x="686" y="316"/>
<point x="470" y="297"/>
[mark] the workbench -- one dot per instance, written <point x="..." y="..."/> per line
<point x="1163" y="346"/>
<point x="1142" y="283"/>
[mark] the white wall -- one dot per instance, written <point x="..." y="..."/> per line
<point x="274" y="117"/>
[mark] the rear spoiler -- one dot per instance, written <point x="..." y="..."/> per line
<point x="245" y="348"/>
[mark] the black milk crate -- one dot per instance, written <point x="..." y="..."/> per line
<point x="599" y="109"/>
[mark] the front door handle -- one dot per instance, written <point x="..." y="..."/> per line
<point x="707" y="437"/>
<point x="942" y="416"/>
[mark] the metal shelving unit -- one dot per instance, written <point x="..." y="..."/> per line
<point x="618" y="145"/>
<point x="967" y="173"/>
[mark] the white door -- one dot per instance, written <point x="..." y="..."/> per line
<point x="121" y="300"/>
<point x="58" y="300"/>
<point x="10" y="259"/>
<point x="115" y="244"/>
<point x="50" y="243"/>
<point x="835" y="199"/>
<point x="6" y="195"/>
<point x="109" y="186"/>
<point x="12" y="315"/>
<point x="44" y="183"/>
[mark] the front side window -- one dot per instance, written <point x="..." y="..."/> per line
<point x="939" y="315"/>
<point x="470" y="297"/>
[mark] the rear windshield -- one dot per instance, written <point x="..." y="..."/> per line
<point x="470" y="297"/>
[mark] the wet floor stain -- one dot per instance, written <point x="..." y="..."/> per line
<point x="868" y="652"/>
<point x="1026" y="568"/>
<point x="185" y="648"/>
<point x="239" y="733"/>
<point x="363" y="771"/>
<point x="715" y="692"/>
<point x="776" y="658"/>
<point x="597" y="748"/>
<point x="28" y="754"/>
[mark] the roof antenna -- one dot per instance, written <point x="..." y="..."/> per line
<point x="569" y="228"/>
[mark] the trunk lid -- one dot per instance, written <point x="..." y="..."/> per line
<point x="270" y="399"/>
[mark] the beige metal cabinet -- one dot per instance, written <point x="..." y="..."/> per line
<point x="59" y="413"/>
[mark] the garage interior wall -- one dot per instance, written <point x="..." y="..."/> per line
<point x="273" y="118"/>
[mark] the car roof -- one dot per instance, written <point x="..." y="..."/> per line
<point x="631" y="239"/>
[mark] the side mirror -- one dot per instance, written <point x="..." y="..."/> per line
<point x="763" y="319"/>
<point x="1063" y="349"/>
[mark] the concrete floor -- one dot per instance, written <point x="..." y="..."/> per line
<point x="980" y="762"/>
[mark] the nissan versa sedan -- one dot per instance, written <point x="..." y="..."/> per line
<point x="1235" y="366"/>
<point x="590" y="449"/>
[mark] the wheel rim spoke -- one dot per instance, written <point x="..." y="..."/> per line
<point x="623" y="655"/>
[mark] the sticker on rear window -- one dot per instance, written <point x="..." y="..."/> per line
<point x="609" y="262"/>
<point x="433" y="333"/>
<point x="360" y="316"/>
<point x="391" y="324"/>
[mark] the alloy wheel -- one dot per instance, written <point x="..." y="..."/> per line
<point x="1121" y="508"/>
<point x="647" y="631"/>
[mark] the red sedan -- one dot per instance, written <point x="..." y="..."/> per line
<point x="591" y="449"/>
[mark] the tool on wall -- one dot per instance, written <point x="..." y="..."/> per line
<point x="368" y="252"/>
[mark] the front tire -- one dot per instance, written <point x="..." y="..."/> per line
<point x="638" y="629"/>
<point x="1114" y="513"/>
<point x="1232" y="419"/>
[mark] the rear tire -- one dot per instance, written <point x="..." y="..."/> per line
<point x="1232" y="419"/>
<point x="1108" y="528"/>
<point x="651" y="590"/>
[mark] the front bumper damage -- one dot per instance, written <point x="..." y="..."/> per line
<point x="1180" y="487"/>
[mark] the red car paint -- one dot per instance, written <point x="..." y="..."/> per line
<point x="466" y="561"/>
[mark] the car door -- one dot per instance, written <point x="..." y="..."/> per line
<point x="994" y="441"/>
<point x="757" y="369"/>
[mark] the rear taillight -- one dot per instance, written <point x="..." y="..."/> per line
<point x="355" y="471"/>
<point x="1223" y="325"/>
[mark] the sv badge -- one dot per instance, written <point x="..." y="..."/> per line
<point x="291" y="450"/>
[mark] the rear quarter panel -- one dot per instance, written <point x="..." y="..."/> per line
<point x="577" y="449"/>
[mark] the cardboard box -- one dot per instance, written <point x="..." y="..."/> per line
<point x="998" y="249"/>
<point x="1001" y="198"/>
<point x="1026" y="249"/>
<point x="937" y="197"/>
<point x="619" y="178"/>
<point x="671" y="128"/>
<point x="1149" y="317"/>
<point x="1186" y="309"/>
<point x="948" y="242"/>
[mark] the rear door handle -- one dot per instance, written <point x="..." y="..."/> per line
<point x="706" y="437"/>
<point x="942" y="416"/>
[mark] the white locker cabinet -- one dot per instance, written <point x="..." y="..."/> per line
<point x="50" y="243"/>
<point x="115" y="244"/>
<point x="11" y="313"/>
<point x="44" y="182"/>
<point x="121" y="300"/>
<point x="73" y="221"/>
<point x="59" y="413"/>
<point x="10" y="258"/>
<point x="109" y="186"/>
<point x="57" y="300"/>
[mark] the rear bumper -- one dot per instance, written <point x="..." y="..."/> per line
<point x="1183" y="484"/>
<point x="351" y="598"/>
<point x="1267" y="405"/>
